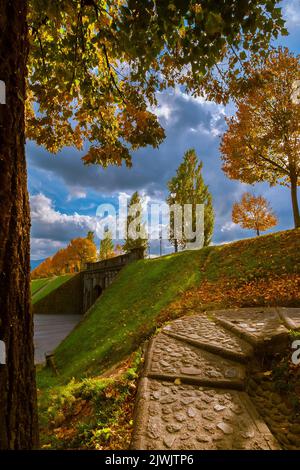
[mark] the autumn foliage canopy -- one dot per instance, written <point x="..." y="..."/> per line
<point x="99" y="64"/>
<point x="262" y="142"/>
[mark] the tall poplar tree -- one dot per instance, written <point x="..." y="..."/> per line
<point x="106" y="250"/>
<point x="188" y="187"/>
<point x="135" y="231"/>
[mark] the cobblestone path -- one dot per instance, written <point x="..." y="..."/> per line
<point x="194" y="392"/>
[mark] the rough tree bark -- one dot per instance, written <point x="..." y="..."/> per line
<point x="295" y="199"/>
<point x="18" y="415"/>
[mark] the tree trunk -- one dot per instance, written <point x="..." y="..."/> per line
<point x="295" y="200"/>
<point x="176" y="245"/>
<point x="257" y="232"/>
<point x="18" y="412"/>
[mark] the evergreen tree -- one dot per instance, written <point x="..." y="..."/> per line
<point x="188" y="187"/>
<point x="135" y="231"/>
<point x="106" y="247"/>
<point x="91" y="236"/>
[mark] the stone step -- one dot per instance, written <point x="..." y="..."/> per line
<point x="204" y="333"/>
<point x="170" y="359"/>
<point x="261" y="327"/>
<point x="290" y="317"/>
<point x="185" y="417"/>
<point x="191" y="397"/>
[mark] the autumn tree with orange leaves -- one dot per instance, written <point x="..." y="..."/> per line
<point x="68" y="260"/>
<point x="262" y="142"/>
<point x="253" y="213"/>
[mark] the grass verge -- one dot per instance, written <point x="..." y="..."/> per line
<point x="40" y="288"/>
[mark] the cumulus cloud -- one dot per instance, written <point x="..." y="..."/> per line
<point x="76" y="193"/>
<point x="178" y="113"/>
<point x="42" y="248"/>
<point x="291" y="13"/>
<point x="163" y="111"/>
<point x="51" y="224"/>
<point x="228" y="227"/>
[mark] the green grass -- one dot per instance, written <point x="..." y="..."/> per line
<point x="91" y="413"/>
<point x="130" y="309"/>
<point x="255" y="258"/>
<point x="42" y="287"/>
<point x="37" y="284"/>
<point x="122" y="318"/>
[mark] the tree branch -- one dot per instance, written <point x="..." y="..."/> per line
<point x="271" y="162"/>
<point x="111" y="73"/>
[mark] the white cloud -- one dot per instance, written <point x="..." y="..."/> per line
<point x="229" y="227"/>
<point x="43" y="248"/>
<point x="163" y="111"/>
<point x="291" y="13"/>
<point x="76" y="193"/>
<point x="170" y="109"/>
<point x="50" y="224"/>
<point x="42" y="210"/>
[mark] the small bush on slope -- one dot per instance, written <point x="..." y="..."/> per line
<point x="92" y="413"/>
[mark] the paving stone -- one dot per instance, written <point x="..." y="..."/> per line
<point x="190" y="371"/>
<point x="169" y="441"/>
<point x="208" y="415"/>
<point x="225" y="428"/>
<point x="180" y="417"/>
<point x="191" y="412"/>
<point x="219" y="407"/>
<point x="206" y="434"/>
<point x="202" y="331"/>
<point x="193" y="364"/>
<point x="291" y="317"/>
<point x="173" y="428"/>
<point x="206" y="408"/>
<point x="262" y="327"/>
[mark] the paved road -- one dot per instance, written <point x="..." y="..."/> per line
<point x="49" y="331"/>
<point x="200" y="389"/>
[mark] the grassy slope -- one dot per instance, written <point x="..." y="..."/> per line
<point x="42" y="287"/>
<point x="137" y="302"/>
<point x="37" y="284"/>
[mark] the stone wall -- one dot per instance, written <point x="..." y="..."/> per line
<point x="98" y="276"/>
<point x="78" y="294"/>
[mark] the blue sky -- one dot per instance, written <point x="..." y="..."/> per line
<point x="64" y="194"/>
